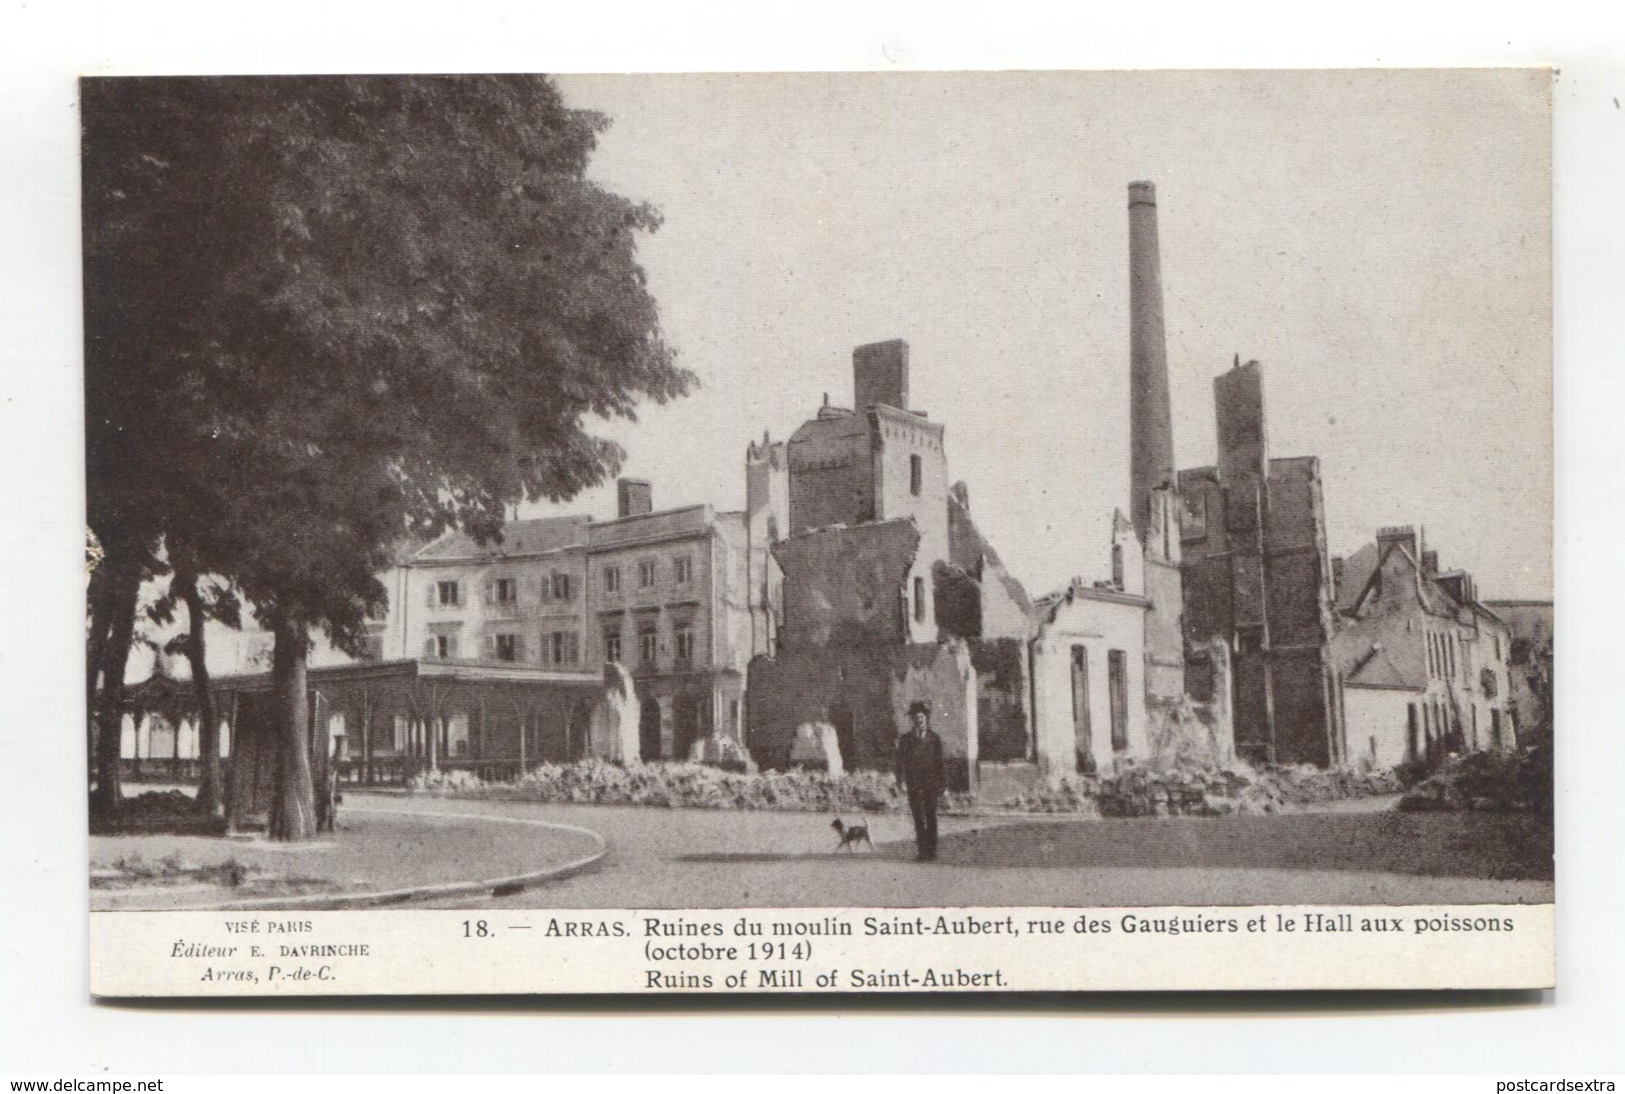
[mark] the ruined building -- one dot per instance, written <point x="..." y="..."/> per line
<point x="1257" y="578"/>
<point x="1108" y="656"/>
<point x="1153" y="501"/>
<point x="880" y="591"/>
<point x="1529" y="667"/>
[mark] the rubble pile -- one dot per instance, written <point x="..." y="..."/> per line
<point x="133" y="871"/>
<point x="1485" y="782"/>
<point x="1184" y="734"/>
<point x="1305" y="784"/>
<point x="687" y="785"/>
<point x="1073" y="795"/>
<point x="1201" y="791"/>
<point x="170" y="811"/>
<point x="453" y="779"/>
<point x="1134" y="792"/>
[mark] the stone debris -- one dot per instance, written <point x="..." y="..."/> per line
<point x="1134" y="792"/>
<point x="686" y="785"/>
<point x="171" y="811"/>
<point x="1203" y="791"/>
<point x="1486" y="782"/>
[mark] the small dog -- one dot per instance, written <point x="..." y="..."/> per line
<point x="851" y="836"/>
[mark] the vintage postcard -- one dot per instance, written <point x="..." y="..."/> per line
<point x="819" y="533"/>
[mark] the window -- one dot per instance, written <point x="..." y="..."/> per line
<point x="646" y="573"/>
<point x="1117" y="565"/>
<point x="915" y="474"/>
<point x="612" y="579"/>
<point x="648" y="647"/>
<point x="440" y="646"/>
<point x="1117" y="685"/>
<point x="612" y="646"/>
<point x="448" y="594"/>
<point x="507" y="590"/>
<point x="566" y="647"/>
<point x="507" y="647"/>
<point x="682" y="568"/>
<point x="1082" y="730"/>
<point x="685" y="644"/>
<point x="919" y="600"/>
<point x="457" y="735"/>
<point x="561" y="586"/>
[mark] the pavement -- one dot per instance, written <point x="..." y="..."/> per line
<point x="376" y="856"/>
<point x="447" y="852"/>
<point x="696" y="858"/>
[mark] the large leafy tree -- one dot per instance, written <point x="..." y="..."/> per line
<point x="324" y="313"/>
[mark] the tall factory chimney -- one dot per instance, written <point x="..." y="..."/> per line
<point x="1151" y="437"/>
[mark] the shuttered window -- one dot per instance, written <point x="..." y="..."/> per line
<point x="1117" y="683"/>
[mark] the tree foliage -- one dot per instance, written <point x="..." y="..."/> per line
<point x="323" y="314"/>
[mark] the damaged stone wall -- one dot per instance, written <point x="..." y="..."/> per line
<point x="1003" y="721"/>
<point x="845" y="586"/>
<point x="1184" y="733"/>
<point x="831" y="477"/>
<point x="1271" y="596"/>
<point x="865" y="693"/>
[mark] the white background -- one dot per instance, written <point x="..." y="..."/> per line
<point x="49" y="1025"/>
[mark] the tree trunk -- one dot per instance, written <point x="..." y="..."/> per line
<point x="126" y="581"/>
<point x="100" y="594"/>
<point x="293" y="805"/>
<point x="208" y="726"/>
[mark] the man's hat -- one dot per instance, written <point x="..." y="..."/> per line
<point x="919" y="706"/>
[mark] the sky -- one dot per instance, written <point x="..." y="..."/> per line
<point x="1378" y="240"/>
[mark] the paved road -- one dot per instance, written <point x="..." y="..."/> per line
<point x="668" y="858"/>
<point x="376" y="850"/>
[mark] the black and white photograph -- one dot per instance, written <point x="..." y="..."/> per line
<point x="818" y="510"/>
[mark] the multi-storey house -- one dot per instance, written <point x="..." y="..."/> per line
<point x="1423" y="663"/>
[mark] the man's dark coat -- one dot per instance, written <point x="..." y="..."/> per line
<point x="919" y="762"/>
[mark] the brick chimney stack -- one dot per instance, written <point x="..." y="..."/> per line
<point x="880" y="374"/>
<point x="1151" y="436"/>
<point x="633" y="497"/>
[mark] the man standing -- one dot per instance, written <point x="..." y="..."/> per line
<point x="919" y="771"/>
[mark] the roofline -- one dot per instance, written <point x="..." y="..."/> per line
<point x="636" y="543"/>
<point x="497" y="556"/>
<point x="418" y="668"/>
<point x="650" y="515"/>
<point x="1519" y="603"/>
<point x="1113" y="596"/>
<point x="1046" y="606"/>
<point x="886" y="410"/>
<point x="356" y="670"/>
<point x="1384" y="687"/>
